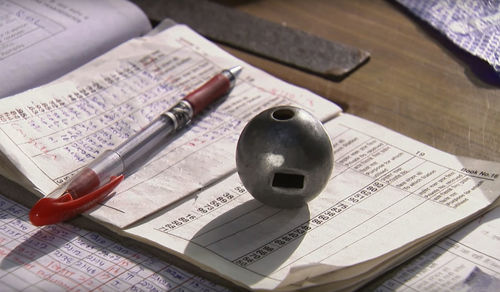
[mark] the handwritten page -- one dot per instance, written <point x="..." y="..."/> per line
<point x="63" y="257"/>
<point x="468" y="260"/>
<point x="49" y="133"/>
<point x="44" y="39"/>
<point x="387" y="196"/>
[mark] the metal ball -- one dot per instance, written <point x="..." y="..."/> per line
<point x="284" y="157"/>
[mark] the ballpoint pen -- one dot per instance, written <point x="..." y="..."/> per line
<point x="96" y="181"/>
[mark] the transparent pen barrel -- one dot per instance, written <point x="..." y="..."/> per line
<point x="146" y="143"/>
<point x="143" y="145"/>
<point x="132" y="153"/>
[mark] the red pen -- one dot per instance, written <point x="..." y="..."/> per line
<point x="98" y="179"/>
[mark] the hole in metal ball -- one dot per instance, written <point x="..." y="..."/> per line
<point x="289" y="181"/>
<point x="283" y="114"/>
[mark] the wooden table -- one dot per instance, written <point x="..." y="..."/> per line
<point x="416" y="82"/>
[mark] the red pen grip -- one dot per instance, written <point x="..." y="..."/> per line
<point x="212" y="90"/>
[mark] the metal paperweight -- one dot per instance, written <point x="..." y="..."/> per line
<point x="284" y="157"/>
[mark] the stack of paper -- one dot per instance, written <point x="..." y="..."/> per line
<point x="388" y="198"/>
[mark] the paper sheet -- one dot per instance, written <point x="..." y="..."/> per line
<point x="472" y="25"/>
<point x="468" y="260"/>
<point x="387" y="191"/>
<point x="44" y="39"/>
<point x="65" y="258"/>
<point x="51" y="132"/>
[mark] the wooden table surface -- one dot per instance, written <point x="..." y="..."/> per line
<point x="416" y="81"/>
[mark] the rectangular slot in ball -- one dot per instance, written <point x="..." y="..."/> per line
<point x="288" y="180"/>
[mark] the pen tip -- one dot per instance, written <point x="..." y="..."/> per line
<point x="235" y="71"/>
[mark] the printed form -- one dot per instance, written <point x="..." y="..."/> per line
<point x="66" y="258"/>
<point x="468" y="260"/>
<point x="386" y="192"/>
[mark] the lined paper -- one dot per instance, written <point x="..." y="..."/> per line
<point x="63" y="257"/>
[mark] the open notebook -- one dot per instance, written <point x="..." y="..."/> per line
<point x="389" y="196"/>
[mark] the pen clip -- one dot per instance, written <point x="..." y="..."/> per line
<point x="54" y="210"/>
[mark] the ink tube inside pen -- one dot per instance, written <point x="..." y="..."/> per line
<point x="95" y="174"/>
